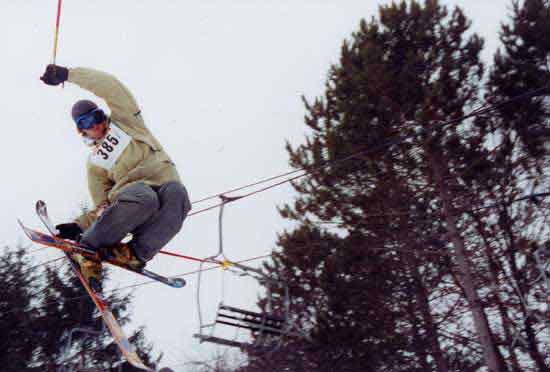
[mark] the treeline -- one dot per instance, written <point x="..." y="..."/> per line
<point x="421" y="229"/>
<point x="49" y="323"/>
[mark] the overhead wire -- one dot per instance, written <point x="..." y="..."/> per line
<point x="217" y="266"/>
<point x="141" y="284"/>
<point x="370" y="149"/>
<point x="534" y="197"/>
<point x="285" y="174"/>
<point x="309" y="170"/>
<point x="43" y="264"/>
<point x="485" y="108"/>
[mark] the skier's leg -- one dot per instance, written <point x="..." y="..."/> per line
<point x="133" y="206"/>
<point x="154" y="234"/>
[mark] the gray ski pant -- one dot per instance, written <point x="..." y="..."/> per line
<point x="154" y="215"/>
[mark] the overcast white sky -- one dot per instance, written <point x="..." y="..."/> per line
<point x="219" y="83"/>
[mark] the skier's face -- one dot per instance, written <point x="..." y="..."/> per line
<point x="96" y="132"/>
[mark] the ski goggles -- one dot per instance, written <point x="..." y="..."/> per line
<point x="88" y="120"/>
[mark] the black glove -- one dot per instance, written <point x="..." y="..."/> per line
<point x="55" y="75"/>
<point x="69" y="231"/>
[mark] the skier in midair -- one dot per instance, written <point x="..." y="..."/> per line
<point x="133" y="183"/>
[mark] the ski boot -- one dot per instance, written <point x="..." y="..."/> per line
<point x="91" y="271"/>
<point x="125" y="255"/>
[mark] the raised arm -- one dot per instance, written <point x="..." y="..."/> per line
<point x="124" y="107"/>
<point x="119" y="99"/>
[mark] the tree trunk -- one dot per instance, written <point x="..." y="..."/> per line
<point x="431" y="327"/>
<point x="495" y="285"/>
<point x="531" y="339"/>
<point x="467" y="280"/>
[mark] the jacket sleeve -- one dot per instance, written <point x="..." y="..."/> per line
<point x="122" y="104"/>
<point x="99" y="186"/>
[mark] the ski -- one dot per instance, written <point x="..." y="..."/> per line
<point x="73" y="247"/>
<point x="108" y="318"/>
<point x="110" y="321"/>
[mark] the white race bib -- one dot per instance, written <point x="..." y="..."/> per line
<point x="110" y="149"/>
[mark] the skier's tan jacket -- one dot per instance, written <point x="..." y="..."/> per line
<point x="143" y="160"/>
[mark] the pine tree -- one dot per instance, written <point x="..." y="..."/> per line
<point x="379" y="290"/>
<point x="67" y="300"/>
<point x="18" y="313"/>
<point x="524" y="65"/>
<point x="520" y="136"/>
<point x="47" y="303"/>
<point x="422" y="245"/>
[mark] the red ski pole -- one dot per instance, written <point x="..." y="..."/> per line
<point x="56" y="30"/>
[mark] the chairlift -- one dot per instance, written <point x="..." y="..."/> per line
<point x="267" y="329"/>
